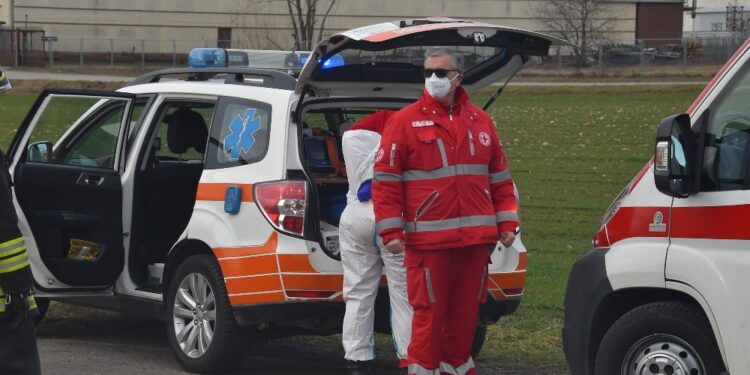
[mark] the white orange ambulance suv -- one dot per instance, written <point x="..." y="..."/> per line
<point x="664" y="289"/>
<point x="212" y="201"/>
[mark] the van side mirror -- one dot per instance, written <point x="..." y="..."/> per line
<point x="39" y="152"/>
<point x="673" y="156"/>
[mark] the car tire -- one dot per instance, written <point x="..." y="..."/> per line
<point x="661" y="337"/>
<point x="480" y="335"/>
<point x="204" y="338"/>
<point x="42" y="305"/>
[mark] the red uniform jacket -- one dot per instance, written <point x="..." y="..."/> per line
<point x="442" y="178"/>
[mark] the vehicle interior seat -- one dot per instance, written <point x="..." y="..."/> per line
<point x="172" y="184"/>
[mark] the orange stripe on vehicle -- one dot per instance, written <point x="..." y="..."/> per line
<point x="217" y="192"/>
<point x="295" y="263"/>
<point x="497" y="293"/>
<point x="523" y="261"/>
<point x="514" y="280"/>
<point x="253" y="284"/>
<point x="313" y="282"/>
<point x="267" y="248"/>
<point x="256" y="298"/>
<point x="259" y="265"/>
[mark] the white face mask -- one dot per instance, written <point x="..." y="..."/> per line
<point x="438" y="87"/>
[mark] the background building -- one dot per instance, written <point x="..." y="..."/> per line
<point x="712" y="17"/>
<point x="113" y="26"/>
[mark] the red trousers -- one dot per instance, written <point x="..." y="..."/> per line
<point x="445" y="289"/>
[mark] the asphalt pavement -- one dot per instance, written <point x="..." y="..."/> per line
<point x="96" y="342"/>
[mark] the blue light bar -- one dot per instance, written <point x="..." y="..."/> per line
<point x="207" y="57"/>
<point x="333" y="62"/>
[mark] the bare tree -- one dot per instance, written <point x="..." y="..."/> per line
<point x="580" y="22"/>
<point x="304" y="16"/>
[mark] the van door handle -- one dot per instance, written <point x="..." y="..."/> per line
<point x="90" y="179"/>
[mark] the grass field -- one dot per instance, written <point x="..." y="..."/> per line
<point x="571" y="150"/>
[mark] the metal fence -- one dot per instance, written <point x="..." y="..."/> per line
<point x="31" y="48"/>
<point x="645" y="55"/>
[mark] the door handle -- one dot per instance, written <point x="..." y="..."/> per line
<point x="90" y="179"/>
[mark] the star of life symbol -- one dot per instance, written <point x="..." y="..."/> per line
<point x="380" y="154"/>
<point x="240" y="138"/>
<point x="658" y="224"/>
<point x="484" y="139"/>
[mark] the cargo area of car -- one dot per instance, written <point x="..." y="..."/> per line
<point x="324" y="124"/>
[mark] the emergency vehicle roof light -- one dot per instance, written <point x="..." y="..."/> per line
<point x="208" y="57"/>
<point x="333" y="62"/>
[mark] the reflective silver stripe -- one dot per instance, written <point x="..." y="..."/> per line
<point x="419" y="370"/>
<point x="426" y="203"/>
<point x="453" y="170"/>
<point x="13" y="264"/>
<point x="460" y="370"/>
<point x="10" y="247"/>
<point x="447" y="224"/>
<point x="506" y="216"/>
<point x="390" y="223"/>
<point x="481" y="283"/>
<point x="500" y="176"/>
<point x="471" y="143"/>
<point x="428" y="281"/>
<point x="384" y="176"/>
<point x="393" y="153"/>
<point x="441" y="146"/>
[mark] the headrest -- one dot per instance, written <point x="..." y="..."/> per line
<point x="186" y="128"/>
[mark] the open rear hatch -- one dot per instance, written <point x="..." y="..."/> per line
<point x="386" y="59"/>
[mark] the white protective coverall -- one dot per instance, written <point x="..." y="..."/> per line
<point x="363" y="259"/>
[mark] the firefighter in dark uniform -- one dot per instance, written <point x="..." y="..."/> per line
<point x="18" y="350"/>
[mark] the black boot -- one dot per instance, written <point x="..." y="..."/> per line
<point x="358" y="367"/>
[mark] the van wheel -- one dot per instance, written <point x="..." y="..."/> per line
<point x="201" y="327"/>
<point x="480" y="335"/>
<point x="667" y="337"/>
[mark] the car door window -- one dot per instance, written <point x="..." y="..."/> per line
<point x="240" y="134"/>
<point x="728" y="137"/>
<point x="182" y="131"/>
<point x="80" y="131"/>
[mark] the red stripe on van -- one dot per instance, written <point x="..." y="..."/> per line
<point x="217" y="192"/>
<point x="718" y="222"/>
<point x="631" y="222"/>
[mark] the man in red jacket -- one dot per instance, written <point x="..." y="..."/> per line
<point x="443" y="193"/>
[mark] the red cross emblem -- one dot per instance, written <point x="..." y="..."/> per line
<point x="484" y="139"/>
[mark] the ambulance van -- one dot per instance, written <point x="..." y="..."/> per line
<point x="209" y="197"/>
<point x="664" y="289"/>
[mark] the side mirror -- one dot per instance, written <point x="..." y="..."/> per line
<point x="673" y="156"/>
<point x="39" y="152"/>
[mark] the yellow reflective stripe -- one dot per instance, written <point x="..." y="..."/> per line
<point x="17" y="252"/>
<point x="8" y="247"/>
<point x="12" y="259"/>
<point x="16" y="267"/>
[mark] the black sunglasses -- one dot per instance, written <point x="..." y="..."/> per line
<point x="440" y="73"/>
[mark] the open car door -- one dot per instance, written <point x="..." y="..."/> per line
<point x="386" y="59"/>
<point x="65" y="161"/>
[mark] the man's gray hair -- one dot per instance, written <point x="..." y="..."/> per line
<point x="458" y="59"/>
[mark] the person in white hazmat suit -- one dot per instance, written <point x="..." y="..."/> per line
<point x="364" y="260"/>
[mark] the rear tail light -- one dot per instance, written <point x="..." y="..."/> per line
<point x="283" y="204"/>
